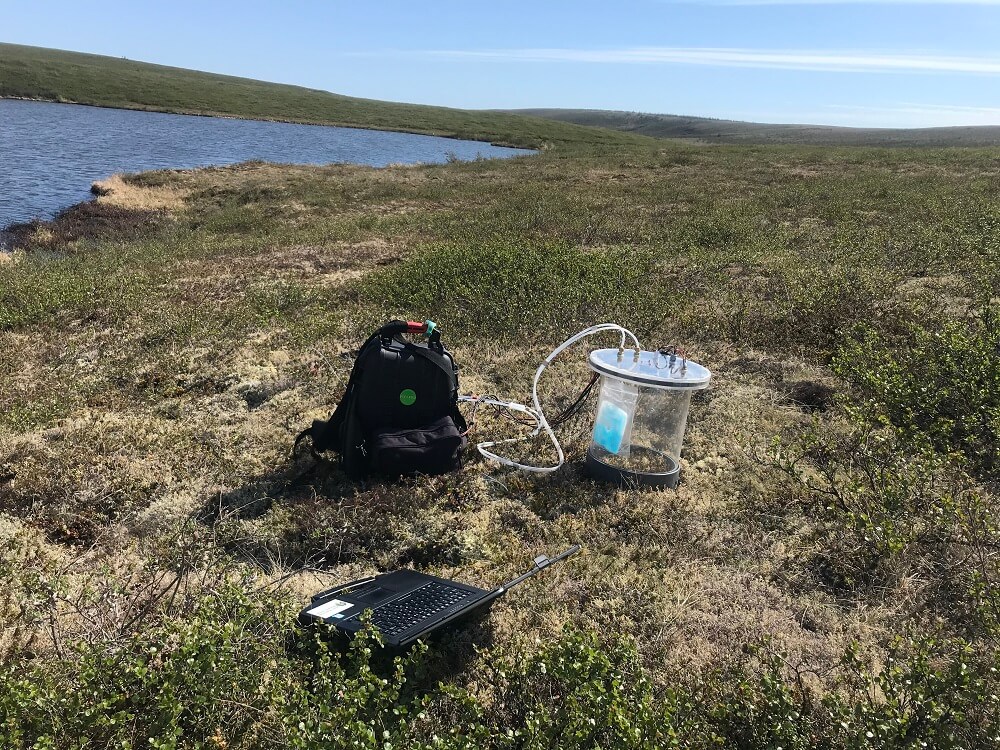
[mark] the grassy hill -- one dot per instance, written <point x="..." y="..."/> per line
<point x="55" y="75"/>
<point x="707" y="130"/>
<point x="825" y="576"/>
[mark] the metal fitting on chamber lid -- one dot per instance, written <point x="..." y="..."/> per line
<point x="659" y="369"/>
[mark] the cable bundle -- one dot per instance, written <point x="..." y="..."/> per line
<point x="535" y="412"/>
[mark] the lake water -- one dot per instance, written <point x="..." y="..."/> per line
<point x="51" y="153"/>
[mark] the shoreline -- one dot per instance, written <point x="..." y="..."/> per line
<point x="87" y="219"/>
<point x="11" y="233"/>
<point x="288" y="121"/>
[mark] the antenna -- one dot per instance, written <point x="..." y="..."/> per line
<point x="541" y="562"/>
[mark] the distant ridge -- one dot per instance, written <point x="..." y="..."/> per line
<point x="707" y="130"/>
<point x="76" y="77"/>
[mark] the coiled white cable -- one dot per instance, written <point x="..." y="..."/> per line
<point x="535" y="411"/>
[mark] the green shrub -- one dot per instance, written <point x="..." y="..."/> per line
<point x="798" y="307"/>
<point x="938" y="384"/>
<point x="756" y="705"/>
<point x="510" y="289"/>
<point x="235" y="673"/>
<point x="576" y="693"/>
<point x="30" y="581"/>
<point x="222" y="677"/>
<point x="176" y="685"/>
<point x="929" y="693"/>
<point x="53" y="286"/>
<point x="882" y="511"/>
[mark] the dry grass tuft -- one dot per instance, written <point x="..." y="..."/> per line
<point x="117" y="191"/>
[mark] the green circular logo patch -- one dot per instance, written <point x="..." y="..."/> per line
<point x="407" y="397"/>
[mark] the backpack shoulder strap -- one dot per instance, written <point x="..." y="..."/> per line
<point x="325" y="433"/>
<point x="434" y="352"/>
<point x="438" y="359"/>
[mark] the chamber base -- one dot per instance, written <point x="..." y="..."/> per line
<point x="605" y="472"/>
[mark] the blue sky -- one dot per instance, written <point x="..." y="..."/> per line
<point x="843" y="62"/>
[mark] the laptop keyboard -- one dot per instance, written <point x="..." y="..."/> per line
<point x="400" y="615"/>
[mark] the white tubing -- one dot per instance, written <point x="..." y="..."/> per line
<point x="535" y="411"/>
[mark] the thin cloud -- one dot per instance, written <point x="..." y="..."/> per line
<point x="916" y="114"/>
<point x="830" y="61"/>
<point x="920" y="107"/>
<point x="890" y="115"/>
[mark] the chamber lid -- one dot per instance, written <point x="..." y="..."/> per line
<point x="652" y="369"/>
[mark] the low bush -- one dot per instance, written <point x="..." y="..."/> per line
<point x="882" y="513"/>
<point x="231" y="674"/>
<point x="236" y="674"/>
<point x="505" y="289"/>
<point x="938" y="385"/>
<point x="929" y="692"/>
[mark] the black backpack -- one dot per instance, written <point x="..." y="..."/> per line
<point x="399" y="415"/>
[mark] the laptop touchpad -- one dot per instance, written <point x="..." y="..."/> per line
<point x="373" y="595"/>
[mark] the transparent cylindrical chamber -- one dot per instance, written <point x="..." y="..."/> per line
<point x="641" y="415"/>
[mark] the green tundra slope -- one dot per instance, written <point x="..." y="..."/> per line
<point x="55" y="75"/>
<point x="708" y="130"/>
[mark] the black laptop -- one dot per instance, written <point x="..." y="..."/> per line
<point x="407" y="605"/>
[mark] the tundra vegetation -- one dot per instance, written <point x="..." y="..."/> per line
<point x="825" y="575"/>
<point x="711" y="130"/>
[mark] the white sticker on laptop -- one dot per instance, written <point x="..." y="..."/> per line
<point x="332" y="608"/>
